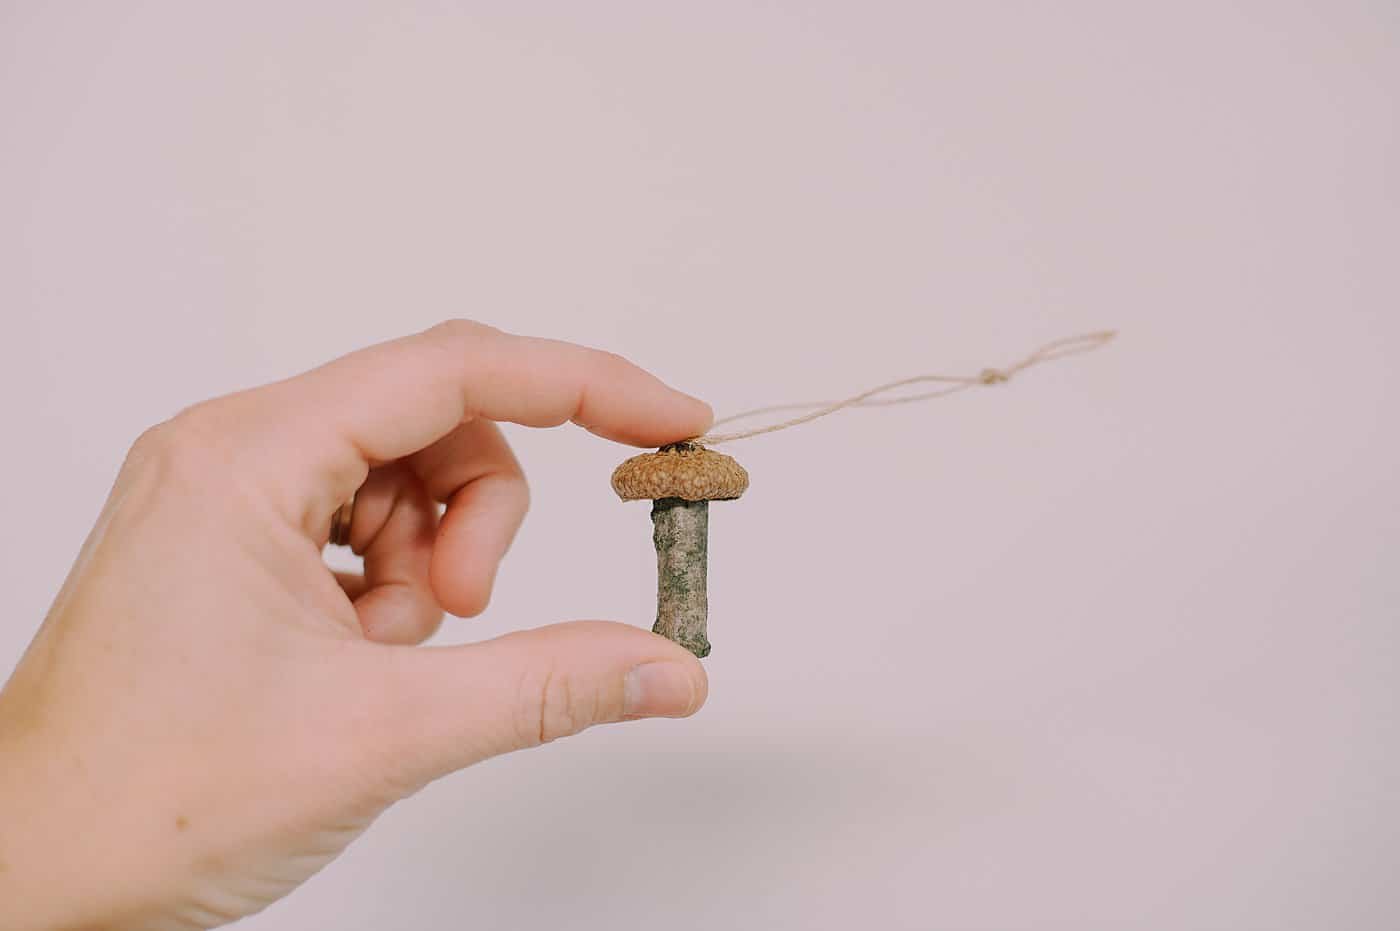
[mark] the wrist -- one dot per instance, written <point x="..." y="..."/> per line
<point x="58" y="869"/>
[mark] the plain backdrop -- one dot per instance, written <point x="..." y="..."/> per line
<point x="1112" y="646"/>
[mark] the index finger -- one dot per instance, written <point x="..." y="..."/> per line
<point x="388" y="401"/>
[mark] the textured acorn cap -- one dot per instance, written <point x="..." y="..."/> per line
<point x="693" y="473"/>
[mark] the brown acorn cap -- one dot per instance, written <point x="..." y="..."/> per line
<point x="681" y="470"/>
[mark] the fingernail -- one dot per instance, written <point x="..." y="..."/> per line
<point x="657" y="690"/>
<point x="709" y="411"/>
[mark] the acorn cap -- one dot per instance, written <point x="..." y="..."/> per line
<point x="681" y="470"/>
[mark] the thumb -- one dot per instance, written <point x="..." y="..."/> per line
<point x="455" y="706"/>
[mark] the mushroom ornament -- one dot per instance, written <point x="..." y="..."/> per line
<point x="681" y="480"/>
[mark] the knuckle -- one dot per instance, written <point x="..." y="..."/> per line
<point x="147" y="446"/>
<point x="187" y="447"/>
<point x="551" y="707"/>
<point x="460" y="329"/>
<point x="447" y="349"/>
<point x="615" y="361"/>
<point x="521" y="489"/>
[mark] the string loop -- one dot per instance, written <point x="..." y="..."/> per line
<point x="1058" y="349"/>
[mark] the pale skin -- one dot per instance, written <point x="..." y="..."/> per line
<point x="209" y="715"/>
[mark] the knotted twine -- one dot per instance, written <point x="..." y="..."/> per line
<point x="1058" y="349"/>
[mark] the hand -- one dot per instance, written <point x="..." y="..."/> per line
<point x="208" y="715"/>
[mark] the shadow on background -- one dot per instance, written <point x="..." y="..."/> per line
<point x="591" y="832"/>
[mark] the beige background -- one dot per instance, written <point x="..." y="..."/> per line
<point x="1113" y="646"/>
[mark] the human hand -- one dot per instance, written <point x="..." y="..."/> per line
<point x="208" y="715"/>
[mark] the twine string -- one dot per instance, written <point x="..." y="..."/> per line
<point x="1058" y="349"/>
